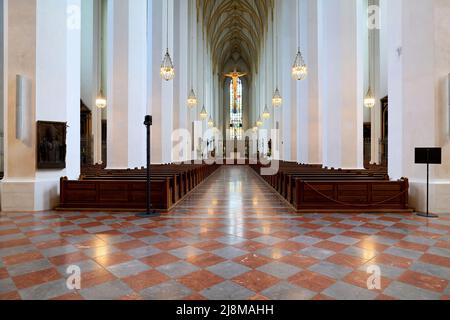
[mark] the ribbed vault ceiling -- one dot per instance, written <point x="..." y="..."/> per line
<point x="235" y="27"/>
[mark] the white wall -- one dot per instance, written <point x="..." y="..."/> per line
<point x="43" y="46"/>
<point x="418" y="67"/>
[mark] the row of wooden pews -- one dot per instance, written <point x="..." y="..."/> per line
<point x="312" y="188"/>
<point x="98" y="188"/>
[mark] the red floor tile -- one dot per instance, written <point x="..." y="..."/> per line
<point x="437" y="260"/>
<point x="205" y="260"/>
<point x="9" y="232"/>
<point x="129" y="245"/>
<point x="412" y="246"/>
<point x="391" y="260"/>
<point x="424" y="281"/>
<point x="209" y="245"/>
<point x="320" y="235"/>
<point x="113" y="259"/>
<point x="159" y="260"/>
<point x="256" y="281"/>
<point x="35" y="278"/>
<point x="329" y="245"/>
<point x="3" y="273"/>
<point x="250" y="246"/>
<point x="22" y="258"/>
<point x="200" y="280"/>
<point x="145" y="280"/>
<point x="95" y="278"/>
<point x="290" y="246"/>
<point x="14" y="243"/>
<point x="68" y="259"/>
<point x="170" y="245"/>
<point x="10" y="296"/>
<point x="347" y="260"/>
<point x="312" y="281"/>
<point x="252" y="260"/>
<point x="299" y="260"/>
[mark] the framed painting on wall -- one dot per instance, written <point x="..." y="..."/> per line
<point x="51" y="145"/>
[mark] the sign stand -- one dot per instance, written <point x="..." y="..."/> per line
<point x="150" y="212"/>
<point x="428" y="156"/>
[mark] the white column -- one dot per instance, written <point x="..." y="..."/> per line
<point x="341" y="82"/>
<point x="309" y="113"/>
<point x="161" y="100"/>
<point x="126" y="83"/>
<point x="51" y="60"/>
<point x="90" y="68"/>
<point x="137" y="90"/>
<point x="379" y="69"/>
<point x="418" y="96"/>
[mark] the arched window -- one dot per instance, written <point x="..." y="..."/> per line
<point x="236" y="123"/>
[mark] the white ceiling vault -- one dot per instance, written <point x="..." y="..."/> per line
<point x="235" y="28"/>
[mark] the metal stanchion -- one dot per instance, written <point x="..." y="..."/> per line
<point x="150" y="212"/>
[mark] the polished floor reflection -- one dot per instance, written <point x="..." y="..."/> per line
<point x="232" y="238"/>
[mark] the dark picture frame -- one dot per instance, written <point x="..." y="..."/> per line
<point x="51" y="147"/>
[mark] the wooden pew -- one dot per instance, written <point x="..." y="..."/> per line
<point x="316" y="189"/>
<point x="99" y="188"/>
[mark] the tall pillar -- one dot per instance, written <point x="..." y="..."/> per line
<point x="341" y="82"/>
<point x="378" y="54"/>
<point x="309" y="113"/>
<point x="161" y="99"/>
<point x="90" y="69"/>
<point x="127" y="89"/>
<point x="42" y="43"/>
<point x="288" y="44"/>
<point x="418" y="96"/>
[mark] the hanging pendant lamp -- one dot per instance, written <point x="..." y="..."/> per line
<point x="203" y="114"/>
<point x="299" y="69"/>
<point x="277" y="100"/>
<point x="100" y="102"/>
<point x="266" y="113"/>
<point x="259" y="122"/>
<point x="192" y="99"/>
<point x="167" y="67"/>
<point x="210" y="122"/>
<point x="369" y="100"/>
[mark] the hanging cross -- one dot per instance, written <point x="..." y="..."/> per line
<point x="235" y="76"/>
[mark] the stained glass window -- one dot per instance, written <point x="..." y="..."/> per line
<point x="236" y="123"/>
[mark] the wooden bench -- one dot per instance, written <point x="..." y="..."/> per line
<point x="311" y="188"/>
<point x="126" y="189"/>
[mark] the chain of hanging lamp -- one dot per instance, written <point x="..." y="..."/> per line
<point x="192" y="100"/>
<point x="204" y="113"/>
<point x="277" y="99"/>
<point x="259" y="121"/>
<point x="167" y="67"/>
<point x="100" y="101"/>
<point x="369" y="99"/>
<point x="299" y="69"/>
<point x="266" y="112"/>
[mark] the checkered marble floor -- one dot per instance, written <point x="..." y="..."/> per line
<point x="232" y="238"/>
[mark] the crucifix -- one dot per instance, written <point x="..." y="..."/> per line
<point x="235" y="76"/>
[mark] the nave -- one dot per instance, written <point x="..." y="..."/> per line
<point x="233" y="237"/>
